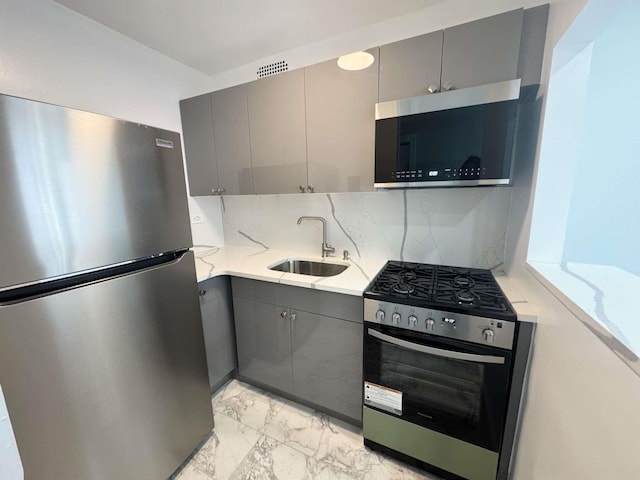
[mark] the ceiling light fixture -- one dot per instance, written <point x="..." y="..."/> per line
<point x="355" y="61"/>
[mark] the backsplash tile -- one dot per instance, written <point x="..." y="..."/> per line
<point x="458" y="226"/>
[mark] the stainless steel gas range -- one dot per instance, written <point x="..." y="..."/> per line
<point x="444" y="366"/>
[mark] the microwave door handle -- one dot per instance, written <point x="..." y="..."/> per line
<point x="438" y="352"/>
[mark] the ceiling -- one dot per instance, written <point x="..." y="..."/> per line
<point x="216" y="35"/>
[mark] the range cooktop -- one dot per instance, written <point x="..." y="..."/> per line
<point x="465" y="290"/>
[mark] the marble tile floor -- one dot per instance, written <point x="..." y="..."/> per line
<point x="259" y="436"/>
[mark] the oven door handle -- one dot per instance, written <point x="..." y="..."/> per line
<point x="469" y="357"/>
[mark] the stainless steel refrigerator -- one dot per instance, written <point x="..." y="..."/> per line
<point x="102" y="359"/>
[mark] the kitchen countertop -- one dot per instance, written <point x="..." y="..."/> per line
<point x="526" y="311"/>
<point x="254" y="263"/>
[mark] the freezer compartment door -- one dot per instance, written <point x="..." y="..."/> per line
<point x="80" y="191"/>
<point x="109" y="380"/>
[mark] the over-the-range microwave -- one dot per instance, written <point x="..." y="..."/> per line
<point x="456" y="138"/>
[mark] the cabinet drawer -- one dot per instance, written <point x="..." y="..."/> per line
<point x="265" y="292"/>
<point x="347" y="307"/>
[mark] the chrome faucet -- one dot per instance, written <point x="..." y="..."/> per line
<point x="326" y="248"/>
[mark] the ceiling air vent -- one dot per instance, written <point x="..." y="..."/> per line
<point x="273" y="69"/>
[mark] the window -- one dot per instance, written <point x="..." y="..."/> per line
<point x="585" y="237"/>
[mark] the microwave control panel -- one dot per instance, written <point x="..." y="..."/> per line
<point x="443" y="174"/>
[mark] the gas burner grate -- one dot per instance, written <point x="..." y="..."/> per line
<point x="405" y="280"/>
<point x="473" y="290"/>
<point x="469" y="287"/>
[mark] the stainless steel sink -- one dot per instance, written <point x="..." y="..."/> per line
<point x="307" y="267"/>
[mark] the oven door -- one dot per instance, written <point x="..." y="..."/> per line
<point x="453" y="387"/>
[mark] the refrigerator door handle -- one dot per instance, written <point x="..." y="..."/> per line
<point x="12" y="296"/>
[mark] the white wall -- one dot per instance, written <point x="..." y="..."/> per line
<point x="51" y="54"/>
<point x="54" y="55"/>
<point x="581" y="417"/>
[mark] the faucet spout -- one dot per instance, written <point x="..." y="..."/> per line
<point x="326" y="248"/>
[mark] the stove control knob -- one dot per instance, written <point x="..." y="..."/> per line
<point x="413" y="321"/>
<point x="430" y="323"/>
<point x="488" y="335"/>
<point x="380" y="315"/>
<point x="395" y="318"/>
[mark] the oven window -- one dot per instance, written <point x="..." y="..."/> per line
<point x="462" y="398"/>
<point x="445" y="387"/>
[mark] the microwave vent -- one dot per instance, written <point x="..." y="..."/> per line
<point x="273" y="69"/>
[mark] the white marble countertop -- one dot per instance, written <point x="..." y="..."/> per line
<point x="254" y="263"/>
<point x="526" y="311"/>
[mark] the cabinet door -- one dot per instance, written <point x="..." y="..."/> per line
<point x="534" y="33"/>
<point x="409" y="67"/>
<point x="199" y="149"/>
<point x="278" y="139"/>
<point x="218" y="328"/>
<point x="231" y="133"/>
<point x="481" y="52"/>
<point x="263" y="337"/>
<point x="341" y="126"/>
<point x="327" y="362"/>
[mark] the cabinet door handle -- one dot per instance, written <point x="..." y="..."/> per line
<point x="302" y="188"/>
<point x="310" y="188"/>
<point x="221" y="190"/>
<point x="293" y="317"/>
<point x="202" y="293"/>
<point x="448" y="86"/>
<point x="432" y="89"/>
<point x="214" y="191"/>
<point x="284" y="314"/>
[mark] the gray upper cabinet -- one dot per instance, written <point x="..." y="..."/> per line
<point x="232" y="144"/>
<point x="534" y="32"/>
<point x="278" y="138"/>
<point x="313" y="129"/>
<point x="481" y="52"/>
<point x="340" y="126"/>
<point x="327" y="362"/>
<point x="197" y="127"/>
<point x="410" y="67"/>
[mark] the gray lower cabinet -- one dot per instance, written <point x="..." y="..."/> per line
<point x="263" y="336"/>
<point x="327" y="362"/>
<point x="341" y="126"/>
<point x="199" y="149"/>
<point x="303" y="342"/>
<point x="411" y="67"/>
<point x="481" y="52"/>
<point x="218" y="328"/>
<point x="278" y="137"/>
